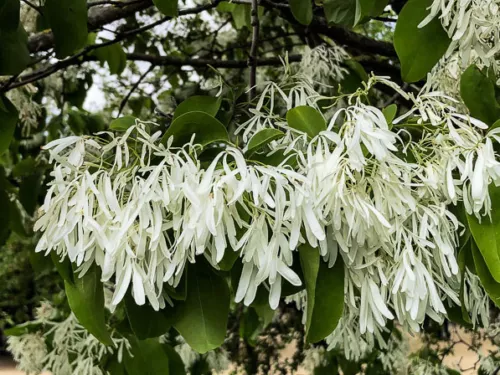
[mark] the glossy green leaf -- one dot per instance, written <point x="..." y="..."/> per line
<point x="241" y="16"/>
<point x="175" y="364"/>
<point x="390" y="112"/>
<point x="122" y="124"/>
<point x="68" y="21"/>
<point x="306" y="120"/>
<point x="207" y="129"/>
<point x="491" y="286"/>
<point x="145" y="321"/>
<point x="207" y="104"/>
<point x="179" y="293"/>
<point x="342" y="12"/>
<point x="8" y="121"/>
<point x="63" y="267"/>
<point x="115" y="367"/>
<point x="17" y="221"/>
<point x="202" y="318"/>
<point x="228" y="259"/>
<point x="14" y="53"/>
<point x="9" y="15"/>
<point x="167" y="7"/>
<point x="418" y="49"/>
<point x="302" y="10"/>
<point x="262" y="308"/>
<point x="325" y="293"/>
<point x="309" y="261"/>
<point x="29" y="191"/>
<point x="250" y="326"/>
<point x="487" y="234"/>
<point x="114" y="56"/>
<point x="464" y="256"/>
<point x="478" y="94"/>
<point x="276" y="158"/>
<point x="372" y="8"/>
<point x="24" y="168"/>
<point x="86" y="299"/>
<point x="263" y="138"/>
<point x="22" y="329"/>
<point x="149" y="358"/>
<point x="357" y="68"/>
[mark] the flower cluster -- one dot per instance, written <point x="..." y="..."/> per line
<point x="473" y="27"/>
<point x="65" y="348"/>
<point x="363" y="192"/>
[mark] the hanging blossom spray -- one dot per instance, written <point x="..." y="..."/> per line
<point x="362" y="191"/>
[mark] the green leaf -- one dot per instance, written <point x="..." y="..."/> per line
<point x="16" y="218"/>
<point x="494" y="126"/>
<point x="262" y="308"/>
<point x="464" y="256"/>
<point x="390" y="112"/>
<point x="487" y="234"/>
<point x="175" y="364"/>
<point x="228" y="259"/>
<point x="207" y="104"/>
<point x="122" y="124"/>
<point x="22" y="329"/>
<point x="263" y="138"/>
<point x="112" y="55"/>
<point x="372" y="8"/>
<point x="309" y="261"/>
<point x="149" y="358"/>
<point x="178" y="293"/>
<point x="9" y="15"/>
<point x="306" y="120"/>
<point x="24" y="168"/>
<point x="14" y="53"/>
<point x="418" y="49"/>
<point x="241" y="16"/>
<point x="145" y="321"/>
<point x="207" y="129"/>
<point x="250" y="326"/>
<point x="478" y="94"/>
<point x="114" y="367"/>
<point x="302" y="10"/>
<point x="29" y="191"/>
<point x="68" y="21"/>
<point x="491" y="286"/>
<point x="357" y="68"/>
<point x="202" y="318"/>
<point x="276" y="158"/>
<point x="167" y="7"/>
<point x="325" y="293"/>
<point x="86" y="300"/>
<point x="63" y="267"/>
<point x="342" y="12"/>
<point x="8" y="121"/>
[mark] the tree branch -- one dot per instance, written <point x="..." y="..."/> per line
<point x="339" y="34"/>
<point x="134" y="87"/>
<point x="202" y="62"/>
<point x="252" y="60"/>
<point x="31" y="5"/>
<point x="101" y="16"/>
<point x="98" y="17"/>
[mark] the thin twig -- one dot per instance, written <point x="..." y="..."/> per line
<point x="134" y="87"/>
<point x="119" y="4"/>
<point x="252" y="60"/>
<point x="35" y="7"/>
<point x="385" y="19"/>
<point x="77" y="58"/>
